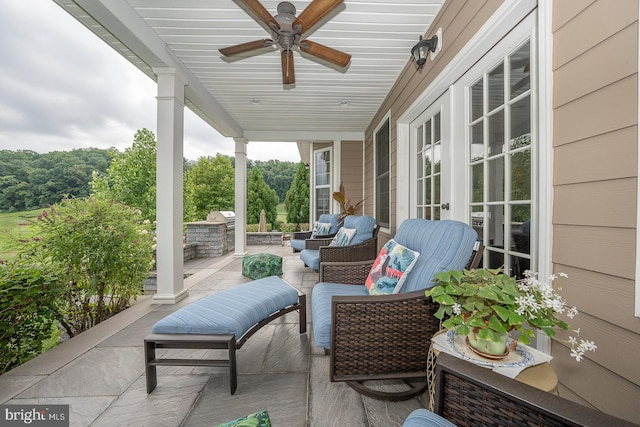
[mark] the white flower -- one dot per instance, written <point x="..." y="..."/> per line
<point x="577" y="354"/>
<point x="457" y="309"/>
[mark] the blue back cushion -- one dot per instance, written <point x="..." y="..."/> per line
<point x="333" y="220"/>
<point x="364" y="226"/>
<point x="443" y="245"/>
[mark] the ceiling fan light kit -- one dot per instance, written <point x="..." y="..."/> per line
<point x="287" y="31"/>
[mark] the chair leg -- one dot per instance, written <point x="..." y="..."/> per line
<point x="302" y="311"/>
<point x="233" y="372"/>
<point x="150" y="370"/>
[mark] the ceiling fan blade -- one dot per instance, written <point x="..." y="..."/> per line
<point x="260" y="11"/>
<point x="313" y="13"/>
<point x="288" y="73"/>
<point x="327" y="53"/>
<point x="245" y="47"/>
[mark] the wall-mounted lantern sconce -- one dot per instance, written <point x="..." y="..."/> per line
<point x="422" y="49"/>
<point x="307" y="166"/>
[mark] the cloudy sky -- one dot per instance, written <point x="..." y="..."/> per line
<point x="61" y="88"/>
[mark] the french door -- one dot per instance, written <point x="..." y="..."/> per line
<point x="431" y="162"/>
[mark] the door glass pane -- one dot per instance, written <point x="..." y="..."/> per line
<point x="420" y="193"/>
<point x="496" y="134"/>
<point x="520" y="71"/>
<point x="476" y="101"/>
<point x="496" y="87"/>
<point x="495" y="224"/>
<point x="496" y="180"/>
<point x="420" y="138"/>
<point x="436" y="128"/>
<point x="521" y="228"/>
<point x="521" y="175"/>
<point x="436" y="212"/>
<point x="477" y="183"/>
<point x="420" y="164"/>
<point x="427" y="191"/>
<point x="437" y="158"/>
<point x="520" y="123"/>
<point x="477" y="141"/>
<point x="436" y="190"/>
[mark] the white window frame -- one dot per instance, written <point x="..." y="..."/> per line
<point x="314" y="185"/>
<point x="386" y="119"/>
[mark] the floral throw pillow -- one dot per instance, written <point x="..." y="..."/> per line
<point x="343" y="237"/>
<point x="321" y="229"/>
<point x="390" y="269"/>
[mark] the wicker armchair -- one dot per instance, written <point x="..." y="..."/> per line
<point x="299" y="239"/>
<point x="379" y="337"/>
<point x="469" y="395"/>
<point x="364" y="246"/>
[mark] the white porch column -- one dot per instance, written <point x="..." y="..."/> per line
<point x="241" y="197"/>
<point x="169" y="176"/>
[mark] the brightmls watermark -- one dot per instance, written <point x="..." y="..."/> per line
<point x="34" y="415"/>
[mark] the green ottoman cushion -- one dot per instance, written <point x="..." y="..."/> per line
<point x="257" y="266"/>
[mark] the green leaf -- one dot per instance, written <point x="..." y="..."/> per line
<point x="501" y="311"/>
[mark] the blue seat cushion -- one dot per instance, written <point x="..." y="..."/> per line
<point x="230" y="311"/>
<point x="311" y="258"/>
<point x="321" y="308"/>
<point x="364" y="226"/>
<point x="298" y="244"/>
<point x="425" y="418"/>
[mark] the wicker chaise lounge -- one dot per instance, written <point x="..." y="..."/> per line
<point x="470" y="395"/>
<point x="377" y="337"/>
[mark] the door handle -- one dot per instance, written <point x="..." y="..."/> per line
<point x="445" y="206"/>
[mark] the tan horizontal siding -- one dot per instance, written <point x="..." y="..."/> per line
<point x="596" y="293"/>
<point x="609" y="203"/>
<point x="611" y="108"/>
<point x="594" y="24"/>
<point x="604" y="389"/>
<point x="612" y="155"/>
<point x="605" y="65"/>
<point x="564" y="11"/>
<point x="607" y="250"/>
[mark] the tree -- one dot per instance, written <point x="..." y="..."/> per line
<point x="209" y="186"/>
<point x="131" y="177"/>
<point x="260" y="196"/>
<point x="297" y="200"/>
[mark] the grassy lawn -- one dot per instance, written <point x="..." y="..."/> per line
<point x="13" y="227"/>
<point x="281" y="213"/>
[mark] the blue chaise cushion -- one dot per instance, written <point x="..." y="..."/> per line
<point x="425" y="418"/>
<point x="230" y="311"/>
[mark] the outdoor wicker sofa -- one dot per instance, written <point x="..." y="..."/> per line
<point x="468" y="395"/>
<point x="363" y="245"/>
<point x="378" y="337"/>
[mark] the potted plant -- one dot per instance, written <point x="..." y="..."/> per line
<point x="346" y="207"/>
<point x="485" y="305"/>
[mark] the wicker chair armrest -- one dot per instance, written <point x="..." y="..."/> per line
<point x="301" y="235"/>
<point x="381" y="336"/>
<point x="316" y="242"/>
<point x="351" y="273"/>
<point x="363" y="251"/>
<point x="464" y="392"/>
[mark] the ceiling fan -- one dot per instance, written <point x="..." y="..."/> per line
<point x="286" y="32"/>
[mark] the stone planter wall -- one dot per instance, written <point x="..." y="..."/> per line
<point x="268" y="238"/>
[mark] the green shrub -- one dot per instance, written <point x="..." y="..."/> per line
<point x="289" y="227"/>
<point x="101" y="252"/>
<point x="29" y="297"/>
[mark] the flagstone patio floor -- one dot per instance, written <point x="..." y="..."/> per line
<point x="100" y="373"/>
